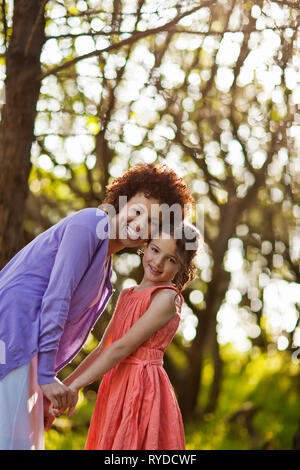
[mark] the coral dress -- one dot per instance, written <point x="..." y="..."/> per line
<point x="136" y="407"/>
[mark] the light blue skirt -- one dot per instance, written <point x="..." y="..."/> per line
<point x="21" y="409"/>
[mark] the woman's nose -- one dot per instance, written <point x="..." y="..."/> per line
<point x="136" y="226"/>
<point x="140" y="226"/>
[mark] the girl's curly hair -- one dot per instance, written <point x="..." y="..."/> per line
<point x="188" y="246"/>
<point x="155" y="180"/>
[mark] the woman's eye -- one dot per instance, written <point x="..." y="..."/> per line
<point x="154" y="249"/>
<point x="134" y="211"/>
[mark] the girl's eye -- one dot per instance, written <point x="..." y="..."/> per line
<point x="154" y="249"/>
<point x="172" y="260"/>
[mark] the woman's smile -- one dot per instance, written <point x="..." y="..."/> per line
<point x="131" y="233"/>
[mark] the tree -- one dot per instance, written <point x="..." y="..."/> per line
<point x="22" y="53"/>
<point x="22" y="85"/>
<point x="211" y="88"/>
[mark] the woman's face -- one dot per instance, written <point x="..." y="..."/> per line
<point x="136" y="219"/>
<point x="160" y="260"/>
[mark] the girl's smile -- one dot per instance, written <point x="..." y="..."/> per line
<point x="154" y="271"/>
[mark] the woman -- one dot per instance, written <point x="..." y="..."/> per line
<point x="53" y="291"/>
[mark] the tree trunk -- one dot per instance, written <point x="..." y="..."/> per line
<point x="190" y="385"/>
<point x="22" y="87"/>
<point x="217" y="379"/>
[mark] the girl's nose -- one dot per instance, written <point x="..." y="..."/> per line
<point x="159" y="262"/>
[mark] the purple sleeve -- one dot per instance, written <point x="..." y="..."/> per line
<point x="73" y="257"/>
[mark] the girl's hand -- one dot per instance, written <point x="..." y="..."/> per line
<point x="54" y="412"/>
<point x="74" y="399"/>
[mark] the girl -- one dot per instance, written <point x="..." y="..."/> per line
<point x="53" y="291"/>
<point x="136" y="406"/>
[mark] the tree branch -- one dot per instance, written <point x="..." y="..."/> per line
<point x="116" y="46"/>
<point x="98" y="11"/>
<point x="287" y="3"/>
<point x="3" y="6"/>
<point x="246" y="30"/>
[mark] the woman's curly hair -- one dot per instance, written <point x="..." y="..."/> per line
<point x="155" y="180"/>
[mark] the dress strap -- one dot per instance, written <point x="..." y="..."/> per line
<point x="148" y="291"/>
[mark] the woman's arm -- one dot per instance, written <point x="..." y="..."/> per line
<point x="161" y="310"/>
<point x="73" y="257"/>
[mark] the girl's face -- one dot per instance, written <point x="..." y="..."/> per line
<point x="160" y="260"/>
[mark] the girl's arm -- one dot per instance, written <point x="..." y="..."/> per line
<point x="105" y="342"/>
<point x="161" y="310"/>
<point x="55" y="411"/>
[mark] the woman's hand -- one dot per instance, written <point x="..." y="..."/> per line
<point x="48" y="417"/>
<point x="58" y="394"/>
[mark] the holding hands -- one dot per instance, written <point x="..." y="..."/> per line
<point x="59" y="397"/>
<point x="55" y="412"/>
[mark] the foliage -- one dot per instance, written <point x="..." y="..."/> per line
<point x="267" y="383"/>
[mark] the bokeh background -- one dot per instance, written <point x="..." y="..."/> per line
<point x="89" y="88"/>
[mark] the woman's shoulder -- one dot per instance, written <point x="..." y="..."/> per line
<point x="93" y="218"/>
<point x="88" y="214"/>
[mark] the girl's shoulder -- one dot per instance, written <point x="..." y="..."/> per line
<point x="159" y="294"/>
<point x="167" y="294"/>
<point x="124" y="291"/>
<point x="164" y="291"/>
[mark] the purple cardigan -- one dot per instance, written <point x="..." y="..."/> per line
<point x="49" y="294"/>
